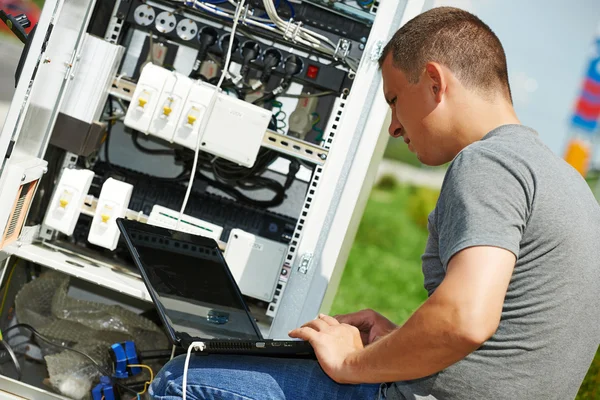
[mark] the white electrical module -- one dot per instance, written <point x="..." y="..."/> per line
<point x="112" y="204"/>
<point x="188" y="127"/>
<point x="170" y="104"/>
<point x="145" y="98"/>
<point x="235" y="130"/>
<point x="255" y="263"/>
<point x="167" y="218"/>
<point x="67" y="201"/>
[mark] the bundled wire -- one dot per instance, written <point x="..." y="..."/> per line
<point x="297" y="33"/>
<point x="290" y="30"/>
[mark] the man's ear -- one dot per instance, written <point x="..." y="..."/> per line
<point x="436" y="80"/>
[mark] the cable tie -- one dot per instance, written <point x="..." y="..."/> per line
<point x="292" y="30"/>
<point x="245" y="16"/>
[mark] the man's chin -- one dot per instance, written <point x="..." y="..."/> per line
<point x="427" y="161"/>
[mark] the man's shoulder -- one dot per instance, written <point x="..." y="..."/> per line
<point x="511" y="148"/>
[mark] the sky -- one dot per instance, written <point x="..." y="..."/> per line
<point x="548" y="45"/>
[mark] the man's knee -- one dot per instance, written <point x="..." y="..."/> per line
<point x="214" y="378"/>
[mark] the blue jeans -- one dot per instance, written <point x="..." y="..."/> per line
<point x="226" y="377"/>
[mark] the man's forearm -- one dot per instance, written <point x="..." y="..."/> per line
<point x="432" y="339"/>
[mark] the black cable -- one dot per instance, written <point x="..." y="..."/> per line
<point x="228" y="175"/>
<point x="272" y="58"/>
<point x="140" y="147"/>
<point x="44" y="339"/>
<point x="180" y="178"/>
<point x="275" y="201"/>
<point x="108" y="132"/>
<point x="292" y="66"/>
<point x="208" y="37"/>
<point x="250" y="51"/>
<point x="292" y="172"/>
<point x="14" y="358"/>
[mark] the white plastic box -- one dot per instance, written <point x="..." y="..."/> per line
<point x="167" y="218"/>
<point x="65" y="206"/>
<point x="235" y="130"/>
<point x="146" y="97"/>
<point x="112" y="204"/>
<point x="255" y="263"/>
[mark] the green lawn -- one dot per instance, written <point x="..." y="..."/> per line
<point x="384" y="267"/>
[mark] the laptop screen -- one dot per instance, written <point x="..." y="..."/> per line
<point x="192" y="284"/>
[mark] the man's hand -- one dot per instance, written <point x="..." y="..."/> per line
<point x="371" y="324"/>
<point x="334" y="344"/>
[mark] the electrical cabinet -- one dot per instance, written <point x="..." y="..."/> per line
<point x="285" y="159"/>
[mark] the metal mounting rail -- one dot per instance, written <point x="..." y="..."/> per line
<point x="123" y="89"/>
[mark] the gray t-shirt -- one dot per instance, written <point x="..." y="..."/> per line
<point x="509" y="190"/>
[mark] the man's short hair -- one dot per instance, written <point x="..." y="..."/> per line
<point x="456" y="39"/>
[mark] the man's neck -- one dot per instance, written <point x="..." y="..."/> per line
<point x="481" y="117"/>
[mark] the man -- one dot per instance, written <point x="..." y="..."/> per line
<point x="512" y="263"/>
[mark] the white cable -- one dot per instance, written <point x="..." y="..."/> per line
<point x="256" y="21"/>
<point x="172" y="353"/>
<point x="209" y="109"/>
<point x="194" y="346"/>
<point x="299" y="33"/>
<point x="306" y="34"/>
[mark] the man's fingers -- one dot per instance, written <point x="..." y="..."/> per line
<point x="304" y="333"/>
<point x="316" y="324"/>
<point x="329" y="320"/>
<point x="355" y="319"/>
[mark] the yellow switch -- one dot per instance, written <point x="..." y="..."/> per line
<point x="105" y="217"/>
<point x="142" y="102"/>
<point x="63" y="203"/>
<point x="191" y="119"/>
<point x="167" y="110"/>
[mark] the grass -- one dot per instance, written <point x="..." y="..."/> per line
<point x="384" y="268"/>
<point x="398" y="150"/>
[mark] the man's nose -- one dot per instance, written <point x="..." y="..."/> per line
<point x="395" y="129"/>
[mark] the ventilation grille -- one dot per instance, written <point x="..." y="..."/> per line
<point x="18" y="213"/>
<point x="242" y="345"/>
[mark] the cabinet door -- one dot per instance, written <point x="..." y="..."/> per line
<point x="44" y="78"/>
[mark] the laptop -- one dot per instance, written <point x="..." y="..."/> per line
<point x="196" y="295"/>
